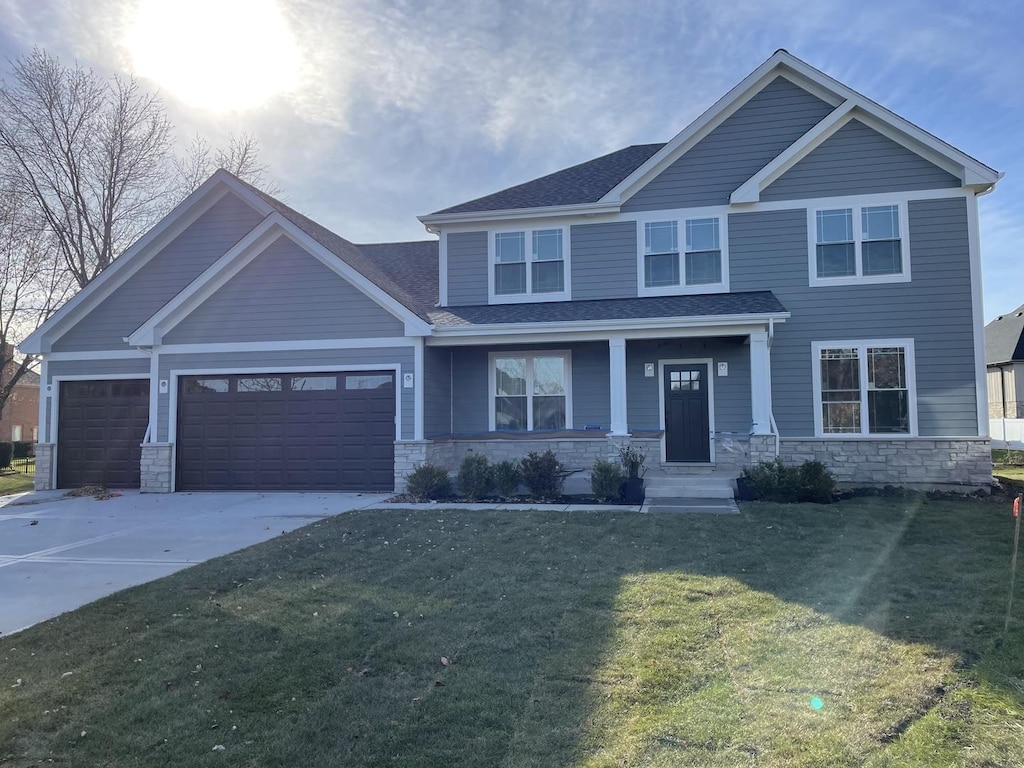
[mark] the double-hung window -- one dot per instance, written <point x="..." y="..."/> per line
<point x="864" y="388"/>
<point x="858" y="244"/>
<point x="529" y="265"/>
<point x="682" y="256"/>
<point x="530" y="391"/>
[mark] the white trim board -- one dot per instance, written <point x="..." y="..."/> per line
<point x="286" y="346"/>
<point x="139" y="254"/>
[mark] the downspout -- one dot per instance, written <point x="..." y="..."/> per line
<point x="1002" y="400"/>
<point x="771" y="411"/>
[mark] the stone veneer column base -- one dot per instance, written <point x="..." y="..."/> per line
<point x="408" y="454"/>
<point x="762" y="448"/>
<point x="156" y="467"/>
<point x="43" y="480"/>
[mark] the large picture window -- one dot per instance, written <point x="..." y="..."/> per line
<point x="682" y="256"/>
<point x="858" y="244"/>
<point x="865" y="388"/>
<point x="529" y="265"/>
<point x="530" y="391"/>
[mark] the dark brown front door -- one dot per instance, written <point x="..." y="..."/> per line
<point x="687" y="426"/>
<point x="287" y="432"/>
<point x="100" y="428"/>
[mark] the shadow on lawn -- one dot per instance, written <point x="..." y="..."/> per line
<point x="562" y="633"/>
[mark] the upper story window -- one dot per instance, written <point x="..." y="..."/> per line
<point x="529" y="265"/>
<point x="859" y="244"/>
<point x="682" y="256"/>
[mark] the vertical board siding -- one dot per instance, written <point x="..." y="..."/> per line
<point x="603" y="260"/>
<point x="590" y="384"/>
<point x="163" y="277"/>
<point x="467" y="268"/>
<point x="272" y="362"/>
<point x="858" y="160"/>
<point x="285" y="294"/>
<point x="748" y="140"/>
<point x="769" y="251"/>
<point x="732" y="393"/>
<point x="437" y="392"/>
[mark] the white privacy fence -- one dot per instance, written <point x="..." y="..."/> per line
<point x="1007" y="433"/>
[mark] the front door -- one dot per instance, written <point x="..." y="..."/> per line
<point x="687" y="425"/>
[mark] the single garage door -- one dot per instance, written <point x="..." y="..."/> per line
<point x="287" y="432"/>
<point x="100" y="429"/>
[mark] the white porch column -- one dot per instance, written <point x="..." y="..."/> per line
<point x="760" y="384"/>
<point x="617" y="380"/>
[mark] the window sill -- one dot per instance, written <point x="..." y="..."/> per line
<point x="682" y="290"/>
<point x="818" y="282"/>
<point x="528" y="298"/>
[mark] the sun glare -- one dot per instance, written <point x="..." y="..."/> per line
<point x="220" y="55"/>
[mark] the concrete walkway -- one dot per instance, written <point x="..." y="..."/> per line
<point x="59" y="553"/>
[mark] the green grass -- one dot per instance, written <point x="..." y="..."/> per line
<point x="588" y="640"/>
<point x="1008" y="465"/>
<point x="18" y="479"/>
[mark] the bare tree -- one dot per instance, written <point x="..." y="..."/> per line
<point x="90" y="153"/>
<point x="241" y="157"/>
<point x="34" y="282"/>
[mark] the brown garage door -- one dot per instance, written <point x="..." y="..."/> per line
<point x="287" y="432"/>
<point x="100" y="429"/>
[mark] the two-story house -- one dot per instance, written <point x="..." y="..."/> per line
<point x="796" y="273"/>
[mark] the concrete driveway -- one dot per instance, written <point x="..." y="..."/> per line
<point x="59" y="553"/>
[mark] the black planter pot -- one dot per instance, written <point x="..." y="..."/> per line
<point x="744" y="489"/>
<point x="633" y="490"/>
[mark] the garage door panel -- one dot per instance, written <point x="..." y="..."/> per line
<point x="304" y="432"/>
<point x="100" y="428"/>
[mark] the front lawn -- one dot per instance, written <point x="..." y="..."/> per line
<point x="862" y="633"/>
<point x="17" y="479"/>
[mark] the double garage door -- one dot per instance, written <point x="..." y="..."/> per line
<point x="290" y="432"/>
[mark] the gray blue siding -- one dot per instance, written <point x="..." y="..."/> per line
<point x="857" y="160"/>
<point x="737" y="149"/>
<point x="467" y="268"/>
<point x="272" y="362"/>
<point x="285" y="294"/>
<point x="732" y="393"/>
<point x="769" y="251"/>
<point x="437" y="393"/>
<point x="603" y="260"/>
<point x="177" y="265"/>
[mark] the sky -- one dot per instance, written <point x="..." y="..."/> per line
<point x="371" y="112"/>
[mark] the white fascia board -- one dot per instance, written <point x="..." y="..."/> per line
<point x="619" y="327"/>
<point x="139" y="253"/>
<point x="750" y="190"/>
<point x="242" y="253"/>
<point x="974" y="167"/>
<point x="484" y="217"/>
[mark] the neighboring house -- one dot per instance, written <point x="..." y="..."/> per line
<point x="19" y="417"/>
<point x="797" y="273"/>
<point x="1004" y="358"/>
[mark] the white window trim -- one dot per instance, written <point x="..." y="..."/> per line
<point x="492" y="382"/>
<point x="529" y="296"/>
<point x="680" y="218"/>
<point x="857" y="205"/>
<point x="861" y="347"/>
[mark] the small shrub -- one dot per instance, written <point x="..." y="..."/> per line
<point x="776" y="481"/>
<point x="22" y="449"/>
<point x="427" y="482"/>
<point x="6" y="453"/>
<point x="634" y="460"/>
<point x="606" y="479"/>
<point x="543" y="475"/>
<point x="817" y="484"/>
<point x="506" y="476"/>
<point x="475" y="477"/>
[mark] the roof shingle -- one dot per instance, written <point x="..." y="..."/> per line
<point x="1003" y="338"/>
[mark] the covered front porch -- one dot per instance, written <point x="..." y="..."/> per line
<point x="696" y="397"/>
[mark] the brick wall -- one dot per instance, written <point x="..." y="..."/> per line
<point x="21" y="409"/>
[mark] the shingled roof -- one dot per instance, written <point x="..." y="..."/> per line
<point x="700" y="305"/>
<point x="584" y="183"/>
<point x="1003" y="338"/>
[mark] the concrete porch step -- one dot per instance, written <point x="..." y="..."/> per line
<point x="692" y="487"/>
